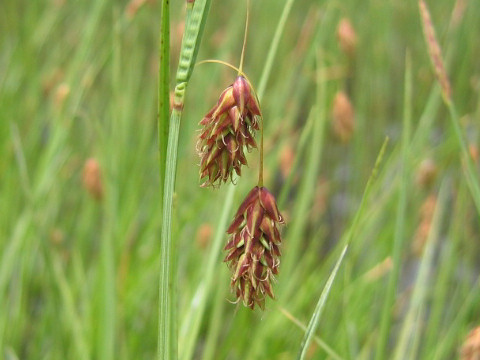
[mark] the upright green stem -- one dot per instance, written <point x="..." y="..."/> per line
<point x="163" y="90"/>
<point x="386" y="319"/>
<point x="167" y="313"/>
<point x="242" y="56"/>
<point x="167" y="335"/>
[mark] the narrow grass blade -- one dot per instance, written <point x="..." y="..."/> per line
<point x="272" y="52"/>
<point x="197" y="308"/>
<point x="322" y="344"/>
<point x="167" y="333"/>
<point x="163" y="89"/>
<point x="385" y="324"/>
<point x="313" y="324"/>
<point x="409" y="336"/>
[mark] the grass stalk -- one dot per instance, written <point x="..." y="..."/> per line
<point x="163" y="90"/>
<point x="407" y="345"/>
<point x="167" y="323"/>
<point x="386" y="319"/>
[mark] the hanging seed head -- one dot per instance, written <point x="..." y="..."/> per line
<point x="471" y="347"/>
<point x="92" y="178"/>
<point x="253" y="249"/>
<point x="227" y="130"/>
<point x="347" y="37"/>
<point x="343" y="117"/>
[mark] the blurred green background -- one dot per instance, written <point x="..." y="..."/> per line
<point x="80" y="212"/>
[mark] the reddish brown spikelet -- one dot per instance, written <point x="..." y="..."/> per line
<point x="347" y="37"/>
<point x="253" y="252"/>
<point x="434" y="50"/>
<point x="471" y="346"/>
<point x="227" y="130"/>
<point x="343" y="117"/>
<point x="92" y="180"/>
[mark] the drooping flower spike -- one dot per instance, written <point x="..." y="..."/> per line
<point x="253" y="249"/>
<point x="227" y="130"/>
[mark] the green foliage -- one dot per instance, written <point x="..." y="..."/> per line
<point x="79" y="276"/>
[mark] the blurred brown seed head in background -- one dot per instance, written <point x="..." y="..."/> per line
<point x="471" y="346"/>
<point x="287" y="157"/>
<point x="343" y="117"/>
<point x="434" y="51"/>
<point x="347" y="37"/>
<point x="423" y="230"/>
<point x="92" y="179"/>
<point x="204" y="235"/>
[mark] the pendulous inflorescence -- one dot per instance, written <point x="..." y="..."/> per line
<point x="228" y="129"/>
<point x="253" y="249"/>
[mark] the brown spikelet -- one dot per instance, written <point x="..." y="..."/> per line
<point x="92" y="179"/>
<point x="343" y="117"/>
<point x="426" y="173"/>
<point x="434" y="50"/>
<point x="228" y="129"/>
<point x="471" y="346"/>
<point x="253" y="250"/>
<point x="426" y="218"/>
<point x="347" y="37"/>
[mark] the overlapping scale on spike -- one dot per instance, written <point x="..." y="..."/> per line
<point x="253" y="252"/>
<point x="228" y="129"/>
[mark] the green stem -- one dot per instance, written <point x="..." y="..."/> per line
<point x="167" y="314"/>
<point x="386" y="319"/>
<point x="242" y="56"/>
<point x="167" y="335"/>
<point x="163" y="90"/>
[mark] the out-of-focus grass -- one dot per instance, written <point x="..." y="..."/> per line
<point x="78" y="277"/>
